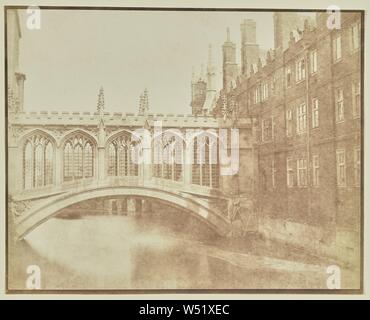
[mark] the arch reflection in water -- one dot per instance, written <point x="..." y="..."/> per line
<point x="102" y="249"/>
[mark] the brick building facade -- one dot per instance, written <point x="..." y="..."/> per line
<point x="305" y="98"/>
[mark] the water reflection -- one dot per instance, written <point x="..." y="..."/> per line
<point x="124" y="252"/>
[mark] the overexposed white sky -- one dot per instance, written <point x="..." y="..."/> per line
<point x="77" y="51"/>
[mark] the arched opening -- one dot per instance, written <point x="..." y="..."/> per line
<point x="78" y="157"/>
<point x="123" y="156"/>
<point x="205" y="168"/>
<point x="203" y="211"/>
<point x="168" y="156"/>
<point x="38" y="161"/>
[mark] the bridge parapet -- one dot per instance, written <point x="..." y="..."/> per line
<point x="134" y="181"/>
<point x="111" y="118"/>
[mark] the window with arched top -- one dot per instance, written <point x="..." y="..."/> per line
<point x="168" y="155"/>
<point x="78" y="158"/>
<point x="122" y="157"/>
<point x="28" y="166"/>
<point x="38" y="161"/>
<point x="205" y="168"/>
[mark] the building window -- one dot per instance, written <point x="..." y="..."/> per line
<point x="341" y="168"/>
<point x="339" y="105"/>
<point x="301" y="118"/>
<point x="315" y="113"/>
<point x="265" y="91"/>
<point x="273" y="84"/>
<point x="315" y="170"/>
<point x="300" y="70"/>
<point x="273" y="173"/>
<point x="257" y="98"/>
<point x="266" y="130"/>
<point x="38" y="160"/>
<point x="302" y="172"/>
<point x="78" y="158"/>
<point x="357" y="166"/>
<point x="289" y="172"/>
<point x="337" y="48"/>
<point x="122" y="157"/>
<point x="289" y="123"/>
<point x="354" y="37"/>
<point x="356" y="99"/>
<point x="288" y="76"/>
<point x="313" y="61"/>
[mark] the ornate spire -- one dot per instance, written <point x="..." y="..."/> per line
<point x="210" y="70"/>
<point x="100" y="106"/>
<point x="228" y="34"/>
<point x="209" y="103"/>
<point x="193" y="78"/>
<point x="201" y="74"/>
<point x="210" y="58"/>
<point x="144" y="103"/>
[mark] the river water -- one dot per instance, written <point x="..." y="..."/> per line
<point x="125" y="252"/>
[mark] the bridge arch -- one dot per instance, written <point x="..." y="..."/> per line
<point x="51" y="207"/>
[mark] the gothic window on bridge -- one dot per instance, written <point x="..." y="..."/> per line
<point x="78" y="158"/>
<point x="168" y="157"/>
<point x="28" y="166"/>
<point x="88" y="160"/>
<point x="205" y="168"/>
<point x="122" y="157"/>
<point x="39" y="166"/>
<point x="196" y="165"/>
<point x="112" y="163"/>
<point x="179" y="161"/>
<point x="38" y="158"/>
<point x="157" y="158"/>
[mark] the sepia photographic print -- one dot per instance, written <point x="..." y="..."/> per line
<point x="181" y="150"/>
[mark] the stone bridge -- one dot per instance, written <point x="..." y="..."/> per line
<point x="58" y="159"/>
<point x="39" y="206"/>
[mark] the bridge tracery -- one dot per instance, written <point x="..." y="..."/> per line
<point x="122" y="156"/>
<point x="205" y="168"/>
<point x="38" y="161"/>
<point x="169" y="156"/>
<point x="78" y="157"/>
